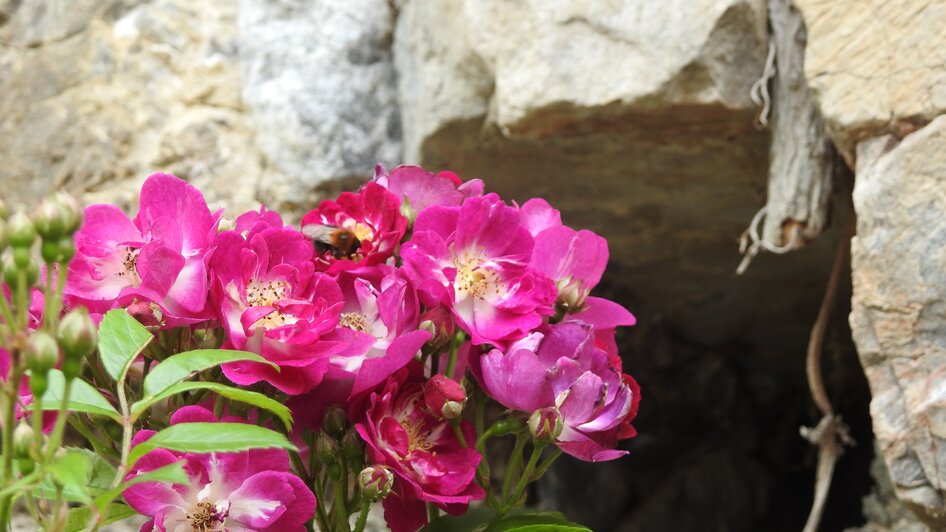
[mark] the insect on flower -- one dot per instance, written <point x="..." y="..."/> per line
<point x="341" y="242"/>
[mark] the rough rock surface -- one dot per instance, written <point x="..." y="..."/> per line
<point x="319" y="78"/>
<point x="899" y="308"/>
<point x="876" y="66"/>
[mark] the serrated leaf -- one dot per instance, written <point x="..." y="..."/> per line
<point x="176" y="368"/>
<point x="101" y="474"/>
<point x="535" y="522"/>
<point x="71" y="471"/>
<point x="209" y="438"/>
<point x="121" y="339"/>
<point x="236" y="394"/>
<point x="83" y="398"/>
<point x="170" y="474"/>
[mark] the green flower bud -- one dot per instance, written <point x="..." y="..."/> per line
<point x="48" y="220"/>
<point x="77" y="334"/>
<point x="22" y="257"/>
<point x="335" y="422"/>
<point x="375" y="482"/>
<point x="49" y="250"/>
<point x="67" y="249"/>
<point x="4" y="211"/>
<point x="10" y="272"/>
<point x="69" y="212"/>
<point x="352" y="446"/>
<point x="326" y="448"/>
<point x="42" y="353"/>
<point x="546" y="424"/>
<point x="22" y="232"/>
<point x="39" y="383"/>
<point x="22" y="440"/>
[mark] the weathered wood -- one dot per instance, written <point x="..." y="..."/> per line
<point x="801" y="156"/>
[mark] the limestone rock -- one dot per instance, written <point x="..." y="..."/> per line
<point x="319" y="78"/>
<point x="98" y="94"/>
<point x="876" y="66"/>
<point x="899" y="307"/>
<point x="541" y="69"/>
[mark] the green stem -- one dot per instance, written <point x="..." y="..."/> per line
<point x="48" y="310"/>
<point x="458" y="432"/>
<point x="338" y="506"/>
<point x="127" y="428"/>
<point x="452" y="359"/>
<point x="544" y="466"/>
<point x="320" y="516"/>
<point x="300" y="467"/>
<point x="7" y="313"/>
<point x="22" y="300"/>
<point x="512" y="467"/>
<point x="363" y="516"/>
<point x="526" y="477"/>
<point x="433" y="513"/>
<point x="55" y="438"/>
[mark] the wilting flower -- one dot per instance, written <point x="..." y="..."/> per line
<point x="271" y="302"/>
<point x="563" y="366"/>
<point x="475" y="259"/>
<point x="420" y="189"/>
<point x="157" y="257"/>
<point x="371" y="215"/>
<point x="428" y="461"/>
<point x="378" y="326"/>
<point x="249" y="490"/>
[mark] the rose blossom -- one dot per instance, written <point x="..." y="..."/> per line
<point x="378" y="326"/>
<point x="157" y="257"/>
<point x="271" y="302"/>
<point x="421" y="449"/>
<point x="475" y="259"/>
<point x="563" y="366"/>
<point x="249" y="490"/>
<point x="372" y="214"/>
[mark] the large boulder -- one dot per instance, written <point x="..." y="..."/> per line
<point x="876" y="66"/>
<point x="899" y="307"/>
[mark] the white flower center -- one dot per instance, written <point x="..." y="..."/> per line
<point x="354" y="321"/>
<point x="266" y="294"/>
<point x="475" y="278"/>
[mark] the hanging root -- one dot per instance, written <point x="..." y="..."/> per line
<point x="750" y="243"/>
<point x="760" y="89"/>
<point x="830" y="434"/>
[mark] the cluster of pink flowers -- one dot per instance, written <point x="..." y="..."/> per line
<point x="408" y="271"/>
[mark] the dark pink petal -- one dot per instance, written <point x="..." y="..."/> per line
<point x="604" y="314"/>
<point x="166" y="196"/>
<point x="149" y="498"/>
<point x="300" y="510"/>
<point x="403" y="513"/>
<point x="401" y="351"/>
<point x="584" y="448"/>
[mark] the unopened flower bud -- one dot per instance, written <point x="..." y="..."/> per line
<point x="42" y="353"/>
<point x="407" y="211"/>
<point x="444" y="397"/>
<point x="10" y="271"/>
<point x="326" y="448"/>
<point x="67" y="249"/>
<point x="439" y="322"/>
<point x="335" y="422"/>
<point x="375" y="482"/>
<point x="147" y="314"/>
<point x="22" y="232"/>
<point x="77" y="335"/>
<point x="48" y="220"/>
<point x="546" y="424"/>
<point x="22" y="440"/>
<point x="69" y="212"/>
<point x="22" y="257"/>
<point x="352" y="446"/>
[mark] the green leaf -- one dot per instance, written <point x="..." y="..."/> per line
<point x="71" y="471"/>
<point x="101" y="473"/>
<point x="176" y="368"/>
<point x="209" y="438"/>
<point x="236" y="394"/>
<point x="77" y="520"/>
<point x="535" y="522"/>
<point x="475" y="519"/>
<point x="121" y="339"/>
<point x="170" y="474"/>
<point x="83" y="398"/>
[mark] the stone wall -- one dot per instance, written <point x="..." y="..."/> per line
<point x="634" y="117"/>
